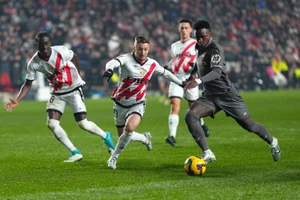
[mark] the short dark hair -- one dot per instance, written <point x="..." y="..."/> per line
<point x="185" y="21"/>
<point x="141" y="39"/>
<point x="41" y="34"/>
<point x="200" y="24"/>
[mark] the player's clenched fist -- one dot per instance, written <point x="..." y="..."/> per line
<point x="108" y="74"/>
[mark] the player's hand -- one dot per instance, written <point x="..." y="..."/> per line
<point x="108" y="74"/>
<point x="183" y="84"/>
<point x="192" y="77"/>
<point x="192" y="83"/>
<point x="12" y="104"/>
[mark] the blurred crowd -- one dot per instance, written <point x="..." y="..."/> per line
<point x="261" y="38"/>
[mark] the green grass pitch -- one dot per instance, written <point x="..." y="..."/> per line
<point x="32" y="167"/>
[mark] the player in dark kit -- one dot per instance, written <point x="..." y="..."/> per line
<point x="219" y="94"/>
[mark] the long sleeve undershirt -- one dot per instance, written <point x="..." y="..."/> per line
<point x="214" y="74"/>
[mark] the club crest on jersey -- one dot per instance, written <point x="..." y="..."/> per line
<point x="142" y="72"/>
<point x="49" y="69"/>
<point x="215" y="59"/>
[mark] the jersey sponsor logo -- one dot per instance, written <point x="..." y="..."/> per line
<point x="186" y="54"/>
<point x="215" y="59"/>
<point x="140" y="86"/>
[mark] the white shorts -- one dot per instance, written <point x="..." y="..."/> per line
<point x="121" y="114"/>
<point x="73" y="99"/>
<point x="177" y="91"/>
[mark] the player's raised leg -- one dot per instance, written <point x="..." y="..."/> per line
<point x="78" y="107"/>
<point x="144" y="138"/>
<point x="260" y="130"/>
<point x="93" y="128"/>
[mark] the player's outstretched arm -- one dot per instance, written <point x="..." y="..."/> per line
<point x="194" y="82"/>
<point x="23" y="92"/>
<point x="172" y="77"/>
<point x="109" y="67"/>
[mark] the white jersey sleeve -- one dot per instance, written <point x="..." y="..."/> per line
<point x="167" y="74"/>
<point x="116" y="62"/>
<point x="172" y="77"/>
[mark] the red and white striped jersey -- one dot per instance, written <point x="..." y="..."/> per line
<point x="183" y="54"/>
<point x="59" y="70"/>
<point x="133" y="79"/>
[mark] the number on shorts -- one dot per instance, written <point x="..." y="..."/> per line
<point x="51" y="99"/>
<point x="116" y="114"/>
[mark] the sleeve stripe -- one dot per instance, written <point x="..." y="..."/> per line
<point x="118" y="61"/>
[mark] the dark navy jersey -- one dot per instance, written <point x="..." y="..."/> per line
<point x="208" y="58"/>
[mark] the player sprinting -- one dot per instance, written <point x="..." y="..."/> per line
<point x="61" y="67"/>
<point x="219" y="94"/>
<point x="135" y="70"/>
<point x="183" y="57"/>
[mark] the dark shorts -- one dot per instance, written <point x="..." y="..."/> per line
<point x="231" y="103"/>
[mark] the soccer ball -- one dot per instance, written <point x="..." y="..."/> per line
<point x="194" y="166"/>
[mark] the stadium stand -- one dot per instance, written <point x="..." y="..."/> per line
<point x="253" y="33"/>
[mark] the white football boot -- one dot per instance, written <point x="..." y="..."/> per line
<point x="112" y="162"/>
<point x="208" y="157"/>
<point x="149" y="143"/>
<point x="275" y="149"/>
<point x="74" y="157"/>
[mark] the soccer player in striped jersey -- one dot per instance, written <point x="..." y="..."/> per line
<point x="135" y="70"/>
<point x="61" y="67"/>
<point x="183" y="58"/>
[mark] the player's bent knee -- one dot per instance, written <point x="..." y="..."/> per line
<point x="84" y="124"/>
<point x="52" y="123"/>
<point x="129" y="129"/>
<point x="190" y="117"/>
